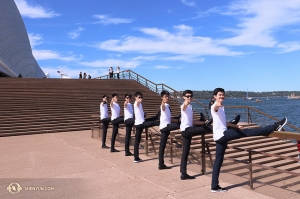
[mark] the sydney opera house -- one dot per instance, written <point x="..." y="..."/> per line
<point x="16" y="59"/>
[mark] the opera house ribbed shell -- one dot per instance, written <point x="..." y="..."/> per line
<point x="16" y="57"/>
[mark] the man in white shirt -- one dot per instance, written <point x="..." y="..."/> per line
<point x="141" y="123"/>
<point x="129" y="122"/>
<point x="167" y="124"/>
<point x="116" y="120"/>
<point x="104" y="119"/>
<point x="118" y="72"/>
<point x="222" y="135"/>
<point x="188" y="130"/>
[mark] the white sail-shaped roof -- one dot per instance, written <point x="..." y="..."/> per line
<point x="15" y="51"/>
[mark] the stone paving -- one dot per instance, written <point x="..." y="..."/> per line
<point x="73" y="165"/>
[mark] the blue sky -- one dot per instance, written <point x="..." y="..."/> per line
<point x="186" y="44"/>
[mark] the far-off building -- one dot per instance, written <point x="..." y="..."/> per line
<point x="16" y="59"/>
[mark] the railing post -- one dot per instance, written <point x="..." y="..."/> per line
<point x="250" y="170"/>
<point x="248" y="114"/>
<point x="146" y="141"/>
<point x="129" y="74"/>
<point x="203" y="154"/>
<point x="171" y="149"/>
<point x="137" y="78"/>
<point x="156" y="88"/>
<point x="146" y="83"/>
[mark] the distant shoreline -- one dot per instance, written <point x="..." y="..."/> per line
<point x="242" y="94"/>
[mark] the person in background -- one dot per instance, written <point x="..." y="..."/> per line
<point x="84" y="75"/>
<point x="89" y="77"/>
<point x="298" y="146"/>
<point x="104" y="119"/>
<point x="80" y="75"/>
<point x="118" y="71"/>
<point x="110" y="72"/>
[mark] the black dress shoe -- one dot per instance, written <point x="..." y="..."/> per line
<point x="185" y="176"/>
<point x="114" y="150"/>
<point x="128" y="154"/>
<point x="202" y="117"/>
<point x="160" y="167"/>
<point x="105" y="147"/>
<point x="235" y="120"/>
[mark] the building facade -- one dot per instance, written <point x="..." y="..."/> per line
<point x="16" y="57"/>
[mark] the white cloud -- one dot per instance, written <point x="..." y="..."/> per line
<point x="289" y="47"/>
<point x="49" y="54"/>
<point x="106" y="20"/>
<point x="34" y="11"/>
<point x="161" y="67"/>
<point x="112" y="62"/>
<point x="75" y="33"/>
<point x="161" y="41"/>
<point x="35" y="39"/>
<point x="259" y="19"/>
<point x="191" y="3"/>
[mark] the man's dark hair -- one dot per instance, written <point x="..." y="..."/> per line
<point x="128" y="95"/>
<point x="187" y="92"/>
<point x="218" y="90"/>
<point x="138" y="94"/>
<point x="164" y="92"/>
<point x="105" y="96"/>
<point x="114" y="95"/>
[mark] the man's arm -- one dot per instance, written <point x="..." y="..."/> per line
<point x="163" y="106"/>
<point x="185" y="105"/>
<point x="125" y="104"/>
<point x="111" y="103"/>
<point x="138" y="101"/>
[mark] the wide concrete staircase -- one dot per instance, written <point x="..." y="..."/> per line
<point x="31" y="106"/>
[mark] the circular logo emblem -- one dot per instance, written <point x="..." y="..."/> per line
<point x="14" y="188"/>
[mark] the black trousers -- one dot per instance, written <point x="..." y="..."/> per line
<point x="165" y="132"/>
<point x="149" y="122"/>
<point x="187" y="136"/>
<point x="233" y="134"/>
<point x="129" y="124"/>
<point x="105" y="123"/>
<point x="116" y="122"/>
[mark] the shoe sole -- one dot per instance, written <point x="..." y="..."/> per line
<point x="281" y="126"/>
<point x="218" y="191"/>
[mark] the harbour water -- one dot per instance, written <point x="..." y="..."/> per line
<point x="277" y="107"/>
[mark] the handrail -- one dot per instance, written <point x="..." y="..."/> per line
<point x="174" y="94"/>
